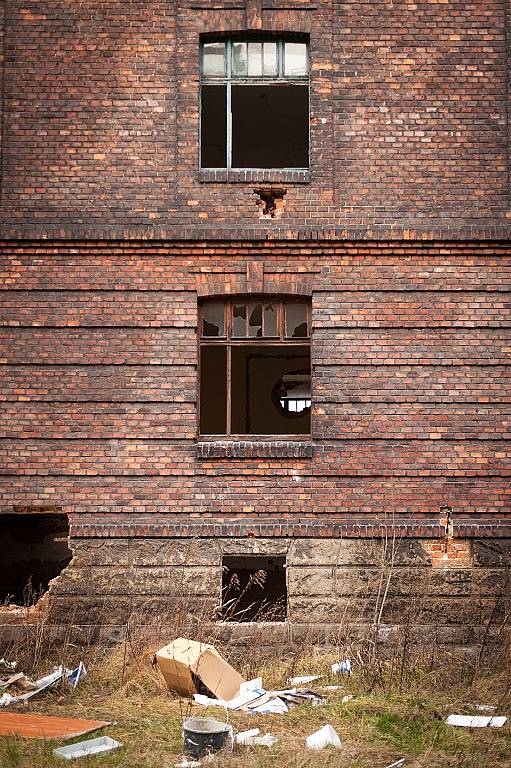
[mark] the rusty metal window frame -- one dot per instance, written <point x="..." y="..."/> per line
<point x="229" y="79"/>
<point x="229" y="341"/>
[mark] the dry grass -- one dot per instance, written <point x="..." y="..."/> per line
<point x="390" y="716"/>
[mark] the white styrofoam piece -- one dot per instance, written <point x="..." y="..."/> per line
<point x="325" y="737"/>
<point x="475" y="721"/>
<point x="252" y="738"/>
<point x="243" y="737"/>
<point x="397" y="764"/>
<point x="86" y="748"/>
<point x="251" y="685"/>
<point x="274" y="706"/>
<point x="303" y="680"/>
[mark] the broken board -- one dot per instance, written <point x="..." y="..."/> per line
<point x="44" y="727"/>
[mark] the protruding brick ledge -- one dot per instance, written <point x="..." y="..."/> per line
<point x="254" y="449"/>
<point x="51" y="233"/>
<point x="258" y="528"/>
<point x="261" y="176"/>
<point x="464" y="528"/>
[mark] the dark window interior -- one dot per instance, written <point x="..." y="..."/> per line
<point x="270" y="126"/>
<point x="256" y="371"/>
<point x="254" y="588"/>
<point x="214" y="126"/>
<point x="213" y="390"/>
<point x="34" y="551"/>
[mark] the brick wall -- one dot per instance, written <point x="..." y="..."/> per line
<point x="411" y="382"/>
<point x="100" y="118"/>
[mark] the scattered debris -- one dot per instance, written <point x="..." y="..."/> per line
<point x="303" y="680"/>
<point x="252" y="738"/>
<point x="32" y="688"/>
<point x="346" y="698"/>
<point x="86" y="748"/>
<point x="475" y="721"/>
<point x="202" y="735"/>
<point x="190" y="667"/>
<point x="184" y="763"/>
<point x="325" y="737"/>
<point x="397" y="764"/>
<point x="44" y="727"/>
<point x="485" y="708"/>
<point x="342" y="667"/>
<point x="261" y="701"/>
<point x="10" y="665"/>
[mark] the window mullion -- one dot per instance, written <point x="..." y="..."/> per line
<point x="229" y="390"/>
<point x="229" y="103"/>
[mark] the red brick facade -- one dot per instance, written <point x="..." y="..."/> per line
<point x="399" y="235"/>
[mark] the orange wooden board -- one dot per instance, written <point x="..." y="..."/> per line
<point x="44" y="727"/>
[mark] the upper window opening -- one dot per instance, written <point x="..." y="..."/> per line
<point x="255" y="104"/>
<point x="255" y="367"/>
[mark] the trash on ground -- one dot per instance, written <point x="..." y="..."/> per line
<point x="342" y="667"/>
<point x="44" y="727"/>
<point x="202" y="735"/>
<point x="476" y="721"/>
<point x="331" y="687"/>
<point x="11" y="665"/>
<point x="190" y="667"/>
<point x="252" y="697"/>
<point x="397" y="764"/>
<point x="184" y="763"/>
<point x="325" y="737"/>
<point x="347" y="698"/>
<point x="32" y="688"/>
<point x="252" y="738"/>
<point x="86" y="748"/>
<point x="485" y="708"/>
<point x="303" y="680"/>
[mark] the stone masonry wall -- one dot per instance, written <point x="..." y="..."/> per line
<point x="334" y="588"/>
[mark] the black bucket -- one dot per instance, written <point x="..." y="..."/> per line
<point x="202" y="735"/>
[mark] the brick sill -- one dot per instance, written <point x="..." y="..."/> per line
<point x="240" y="449"/>
<point x="268" y="176"/>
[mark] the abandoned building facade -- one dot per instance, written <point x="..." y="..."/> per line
<point x="255" y="261"/>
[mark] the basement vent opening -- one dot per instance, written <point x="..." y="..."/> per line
<point x="254" y="588"/>
<point x="34" y="551"/>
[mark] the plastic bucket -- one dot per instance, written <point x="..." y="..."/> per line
<point x="202" y="735"/>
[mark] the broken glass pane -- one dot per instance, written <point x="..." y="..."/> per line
<point x="213" y="318"/>
<point x="239" y="59"/>
<point x="296" y="321"/>
<point x="270" y="320"/>
<point x="213" y="62"/>
<point x="295" y="59"/>
<point x="269" y="59"/>
<point x="255" y="59"/>
<point x="239" y="320"/>
<point x="256" y="320"/>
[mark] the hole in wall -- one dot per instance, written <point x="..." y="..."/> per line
<point x="35" y="550"/>
<point x="254" y="588"/>
<point x="270" y="203"/>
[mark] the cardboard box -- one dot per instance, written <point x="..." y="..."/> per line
<point x="186" y="663"/>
